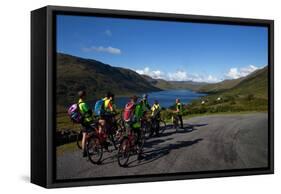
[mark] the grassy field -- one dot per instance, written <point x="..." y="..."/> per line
<point x="226" y="104"/>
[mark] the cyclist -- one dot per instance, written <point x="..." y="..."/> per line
<point x="109" y="106"/>
<point x="133" y="120"/>
<point x="155" y="109"/>
<point x="155" y="115"/>
<point x="179" y="111"/>
<point x="108" y="110"/>
<point x="87" y="119"/>
<point x="105" y="119"/>
<point x="144" y="103"/>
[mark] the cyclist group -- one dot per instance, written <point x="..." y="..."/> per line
<point x="132" y="117"/>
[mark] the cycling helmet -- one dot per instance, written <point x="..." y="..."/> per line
<point x="81" y="94"/>
<point x="109" y="94"/>
<point x="134" y="98"/>
<point x="144" y="96"/>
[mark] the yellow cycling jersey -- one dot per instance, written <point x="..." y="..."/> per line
<point x="107" y="102"/>
<point x="155" y="108"/>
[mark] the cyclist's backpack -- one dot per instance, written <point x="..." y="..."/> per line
<point x="99" y="107"/>
<point x="128" y="113"/>
<point x="74" y="113"/>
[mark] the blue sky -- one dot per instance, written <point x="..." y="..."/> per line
<point x="168" y="50"/>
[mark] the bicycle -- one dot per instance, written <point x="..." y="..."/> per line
<point x="158" y="126"/>
<point x="112" y="131"/>
<point x="175" y="121"/>
<point x="131" y="143"/>
<point x="153" y="124"/>
<point x="95" y="142"/>
<point x="94" y="145"/>
<point x="146" y="126"/>
<point x="80" y="134"/>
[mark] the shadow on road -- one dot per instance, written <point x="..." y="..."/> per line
<point x="187" y="126"/>
<point x="109" y="160"/>
<point x="186" y="129"/>
<point x="152" y="155"/>
<point x="154" y="142"/>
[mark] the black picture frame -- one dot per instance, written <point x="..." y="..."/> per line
<point x="43" y="80"/>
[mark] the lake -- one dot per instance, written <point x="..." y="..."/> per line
<point x="165" y="98"/>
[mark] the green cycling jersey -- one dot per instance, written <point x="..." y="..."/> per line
<point x="179" y="108"/>
<point x="85" y="112"/>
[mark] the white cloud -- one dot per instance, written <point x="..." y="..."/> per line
<point x="109" y="49"/>
<point x="108" y="33"/>
<point x="211" y="78"/>
<point x="203" y="78"/>
<point x="235" y="73"/>
<point x="179" y="75"/>
<point x="182" y="75"/>
<point x="154" y="74"/>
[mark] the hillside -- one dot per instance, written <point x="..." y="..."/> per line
<point x="220" y="86"/>
<point x="246" y="94"/>
<point x="74" y="74"/>
<point x="249" y="93"/>
<point x="167" y="85"/>
<point x="258" y="76"/>
<point x="254" y="84"/>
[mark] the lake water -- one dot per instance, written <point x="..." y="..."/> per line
<point x="165" y="98"/>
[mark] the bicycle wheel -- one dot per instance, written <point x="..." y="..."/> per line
<point x="153" y="128"/>
<point x="119" y="133"/>
<point x="162" y="126"/>
<point x="115" y="134"/>
<point x="79" y="140"/>
<point x="147" y="129"/>
<point x="120" y="123"/>
<point x="94" y="149"/>
<point x="124" y="152"/>
<point x="113" y="140"/>
<point x="175" y="122"/>
<point x="141" y="140"/>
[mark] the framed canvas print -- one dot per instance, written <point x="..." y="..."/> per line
<point x="126" y="96"/>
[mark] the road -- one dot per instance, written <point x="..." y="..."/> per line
<point x="213" y="142"/>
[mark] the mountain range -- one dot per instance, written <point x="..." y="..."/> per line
<point x="75" y="73"/>
<point x="97" y="78"/>
<point x="255" y="83"/>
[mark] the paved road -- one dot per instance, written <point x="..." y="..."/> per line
<point x="208" y="143"/>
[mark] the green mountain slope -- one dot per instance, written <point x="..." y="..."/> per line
<point x="244" y="83"/>
<point x="74" y="74"/>
<point x="220" y="86"/>
<point x="248" y="94"/>
<point x="254" y="84"/>
<point x="169" y="85"/>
